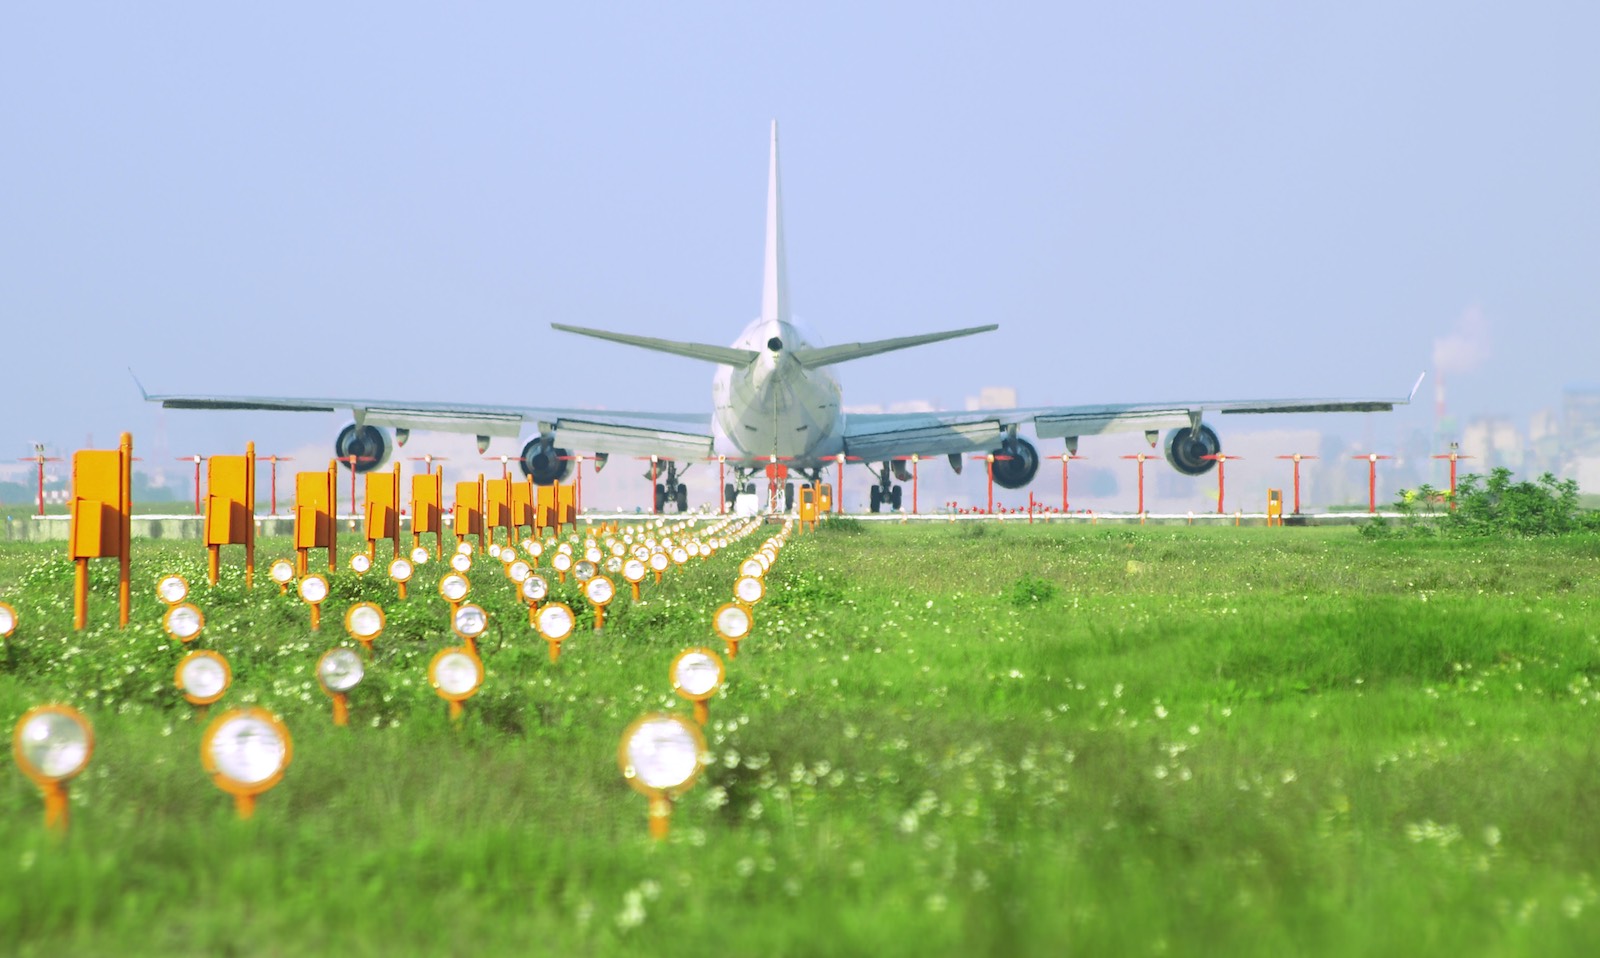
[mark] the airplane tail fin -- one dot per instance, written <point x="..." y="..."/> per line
<point x="723" y="355"/>
<point x="828" y="355"/>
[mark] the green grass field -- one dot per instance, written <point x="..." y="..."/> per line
<point x="941" y="739"/>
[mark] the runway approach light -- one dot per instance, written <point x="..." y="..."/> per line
<point x="633" y="570"/>
<point x="52" y="745"/>
<point x="658" y="564"/>
<point x="599" y="590"/>
<point x="245" y="751"/>
<point x="749" y="589"/>
<point x="364" y="621"/>
<point x="461" y="561"/>
<point x="203" y="677"/>
<point x="519" y="570"/>
<point x="401" y="571"/>
<point x="456" y="675"/>
<point x="660" y="756"/>
<point x="562" y="562"/>
<point x="583" y="570"/>
<point x="697" y="675"/>
<point x="172" y="589"/>
<point x="680" y="555"/>
<point x="360" y="563"/>
<point x="733" y="622"/>
<point x="752" y="567"/>
<point x="8" y="620"/>
<point x="282" y="572"/>
<point x="454" y="587"/>
<point x="184" y="622"/>
<point x="314" y="591"/>
<point x="534" y="589"/>
<point x="494" y="550"/>
<point x="419" y="556"/>
<point x="555" y="623"/>
<point x="469" y="621"/>
<point x="338" y="671"/>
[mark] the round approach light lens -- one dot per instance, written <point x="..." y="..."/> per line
<point x="8" y="620"/>
<point x="400" y="570"/>
<point x="364" y="621"/>
<point x="641" y="553"/>
<point x="203" y="677"/>
<point x="661" y="753"/>
<point x="461" y="561"/>
<point x="359" y="563"/>
<point x="562" y="561"/>
<point x="282" y="571"/>
<point x="752" y="567"/>
<point x="697" y="674"/>
<point x="733" y="622"/>
<point x="52" y="743"/>
<point x="183" y="622"/>
<point x="340" y="670"/>
<point x="633" y="570"/>
<point x="519" y="571"/>
<point x="593" y="555"/>
<point x="584" y="570"/>
<point x="463" y="548"/>
<point x="565" y="549"/>
<point x="419" y="556"/>
<point x="600" y="590"/>
<point x="536" y="550"/>
<point x="749" y="590"/>
<point x="246" y="750"/>
<point x="454" y="587"/>
<point x="494" y="550"/>
<point x="613" y="565"/>
<point x="172" y="589"/>
<point x="314" y="589"/>
<point x="469" y="621"/>
<point x="455" y="674"/>
<point x="555" y="622"/>
<point x="534" y="588"/>
<point x="659" y="561"/>
<point x="765" y="560"/>
<point x="680" y="555"/>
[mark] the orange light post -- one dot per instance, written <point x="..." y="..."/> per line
<point x="1372" y="479"/>
<point x="1453" y="456"/>
<point x="1297" y="458"/>
<point x="100" y="525"/>
<point x="52" y="745"/>
<point x="40" y="458"/>
<point x="273" y="480"/>
<point x="1066" y="458"/>
<point x="1222" y="459"/>
<point x="1141" y="457"/>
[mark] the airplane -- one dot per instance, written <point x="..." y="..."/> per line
<point x="775" y="399"/>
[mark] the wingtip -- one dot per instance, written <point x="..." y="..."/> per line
<point x="143" y="393"/>
<point x="1417" y="385"/>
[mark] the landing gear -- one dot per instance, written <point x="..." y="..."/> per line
<point x="788" y="497"/>
<point x="730" y="492"/>
<point x="670" y="490"/>
<point x="885" y="492"/>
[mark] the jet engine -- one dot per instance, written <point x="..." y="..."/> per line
<point x="370" y="445"/>
<point x="1020" y="463"/>
<point x="544" y="462"/>
<point x="1187" y="448"/>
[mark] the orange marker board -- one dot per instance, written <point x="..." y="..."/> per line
<point x="469" y="508"/>
<point x="497" y="503"/>
<point x="313" y="510"/>
<point x="232" y="487"/>
<point x="98" y="504"/>
<point x="383" y="505"/>
<point x="522" y="504"/>
<point x="427" y="502"/>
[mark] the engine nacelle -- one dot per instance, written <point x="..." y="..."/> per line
<point x="901" y="470"/>
<point x="370" y="445"/>
<point x="1187" y="448"/>
<point x="1017" y="469"/>
<point x="657" y="471"/>
<point x="544" y="462"/>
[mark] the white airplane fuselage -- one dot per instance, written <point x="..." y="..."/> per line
<point x="774" y="406"/>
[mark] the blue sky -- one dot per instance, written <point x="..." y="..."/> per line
<point x="1152" y="200"/>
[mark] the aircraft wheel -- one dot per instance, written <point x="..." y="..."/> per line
<point x="894" y="498"/>
<point x="788" y="497"/>
<point x="683" y="498"/>
<point x="661" y="497"/>
<point x="730" y="492"/>
<point x="875" y="499"/>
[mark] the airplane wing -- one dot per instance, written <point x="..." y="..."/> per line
<point x="878" y="436"/>
<point x="671" y="435"/>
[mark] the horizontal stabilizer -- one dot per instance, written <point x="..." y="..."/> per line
<point x="725" y="355"/>
<point x="828" y="355"/>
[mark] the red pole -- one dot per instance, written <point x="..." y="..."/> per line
<point x="196" y="485"/>
<point x="577" y="491"/>
<point x="1372" y="479"/>
<point x="653" y="497"/>
<point x="914" y="460"/>
<point x="1453" y="455"/>
<point x="990" y="460"/>
<point x="41" y="484"/>
<point x="1222" y="462"/>
<point x="838" y="488"/>
<point x="722" y="486"/>
<point x="1141" y="457"/>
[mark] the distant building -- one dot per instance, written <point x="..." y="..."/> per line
<point x="993" y="397"/>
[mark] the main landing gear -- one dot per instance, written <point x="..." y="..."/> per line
<point x="885" y="492"/>
<point x="670" y="490"/>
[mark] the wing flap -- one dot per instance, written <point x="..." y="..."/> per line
<point x="478" y="422"/>
<point x="922" y="435"/>
<point x="616" y="438"/>
<point x="1095" y="420"/>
